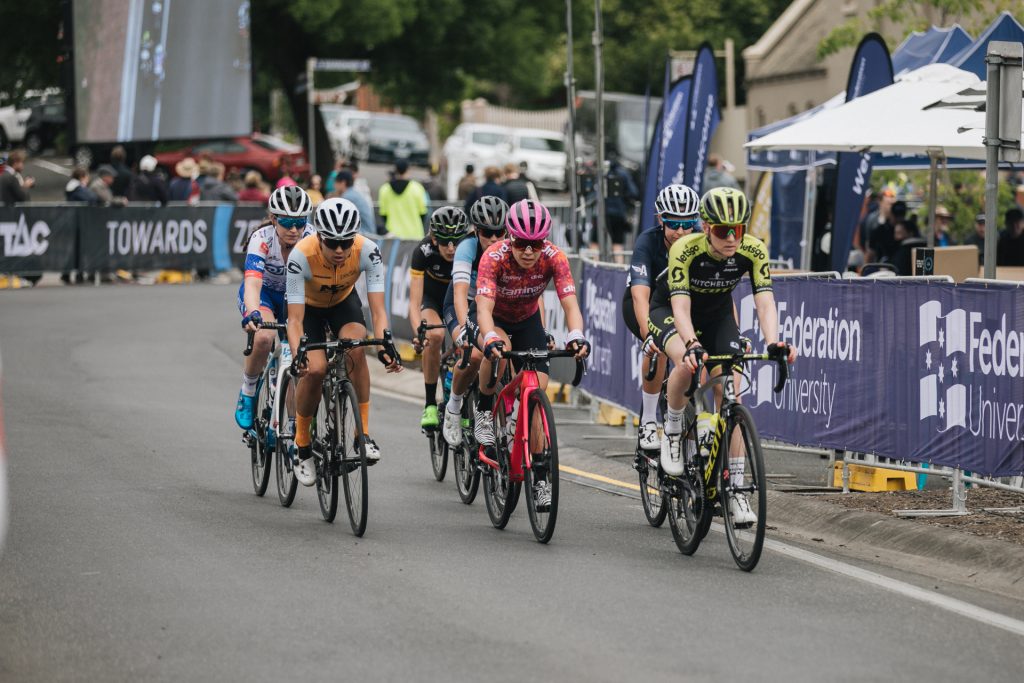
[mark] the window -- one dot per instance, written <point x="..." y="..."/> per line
<point x="542" y="144"/>
<point x="488" y="138"/>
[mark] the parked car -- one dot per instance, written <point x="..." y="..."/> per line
<point x="388" y="137"/>
<point x="264" y="153"/>
<point x="46" y="121"/>
<point x="544" y="154"/>
<point x="341" y="122"/>
<point x="480" y="144"/>
<point x="14" y="115"/>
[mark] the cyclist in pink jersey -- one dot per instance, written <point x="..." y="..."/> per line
<point x="511" y="279"/>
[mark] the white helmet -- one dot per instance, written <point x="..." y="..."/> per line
<point x="336" y="219"/>
<point x="678" y="200"/>
<point x="291" y="201"/>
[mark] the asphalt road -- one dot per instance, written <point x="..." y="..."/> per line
<point x="137" y="550"/>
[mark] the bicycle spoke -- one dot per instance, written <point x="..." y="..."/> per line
<point x="744" y="497"/>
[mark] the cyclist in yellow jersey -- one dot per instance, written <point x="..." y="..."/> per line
<point x="322" y="273"/>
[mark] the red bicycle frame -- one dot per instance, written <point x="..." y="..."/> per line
<point x="524" y="384"/>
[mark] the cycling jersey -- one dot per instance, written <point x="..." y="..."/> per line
<point x="467" y="260"/>
<point x="436" y="271"/>
<point x="650" y="257"/>
<point x="314" y="281"/>
<point x="515" y="290"/>
<point x="692" y="271"/>
<point x="263" y="258"/>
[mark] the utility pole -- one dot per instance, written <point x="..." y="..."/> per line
<point x="1004" y="61"/>
<point x="570" y="95"/>
<point x="600" y="181"/>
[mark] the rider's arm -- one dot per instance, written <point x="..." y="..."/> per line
<point x="255" y="265"/>
<point x="767" y="315"/>
<point x="486" y="291"/>
<point x="415" y="298"/>
<point x="683" y="322"/>
<point x="372" y="265"/>
<point x="573" y="315"/>
<point x="460" y="299"/>
<point x="641" y="295"/>
<point x="484" y="315"/>
<point x="462" y="277"/>
<point x="295" y="295"/>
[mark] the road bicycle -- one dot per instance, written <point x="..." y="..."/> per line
<point x="525" y="445"/>
<point x="438" y="446"/>
<point x="262" y="438"/>
<point x="338" y="442"/>
<point x="707" y="481"/>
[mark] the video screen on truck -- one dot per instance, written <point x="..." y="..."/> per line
<point x="161" y="69"/>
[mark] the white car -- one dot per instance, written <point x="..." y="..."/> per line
<point x="479" y="144"/>
<point x="340" y="123"/>
<point x="544" y="154"/>
<point x="12" y="125"/>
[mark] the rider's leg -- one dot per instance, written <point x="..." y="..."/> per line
<point x="432" y="356"/>
<point x="358" y="372"/>
<point x="652" y="388"/>
<point x="484" y="427"/>
<point x="678" y="383"/>
<point x="307" y="396"/>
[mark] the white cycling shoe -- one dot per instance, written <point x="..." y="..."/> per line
<point x="739" y="510"/>
<point x="372" y="450"/>
<point x="452" y="429"/>
<point x="672" y="455"/>
<point x="305" y="470"/>
<point x="483" y="429"/>
<point x="649" y="440"/>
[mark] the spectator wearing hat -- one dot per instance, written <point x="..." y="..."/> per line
<point x="403" y="204"/>
<point x="943" y="220"/>
<point x="718" y="174"/>
<point x="212" y="187"/>
<point x="184" y="187"/>
<point x="252" y="190"/>
<point x="1010" y="250"/>
<point x="149" y="186"/>
<point x="102" y="184"/>
<point x="977" y="238"/>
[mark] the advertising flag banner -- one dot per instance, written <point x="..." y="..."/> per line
<point x="665" y="157"/>
<point x="703" y="117"/>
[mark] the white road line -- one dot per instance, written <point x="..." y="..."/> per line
<point x="50" y="166"/>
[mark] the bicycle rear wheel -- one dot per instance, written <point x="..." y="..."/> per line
<point x="650" y="491"/>
<point x="746" y="540"/>
<point x="467" y="475"/>
<point x="438" y="451"/>
<point x="286" y="481"/>
<point x="501" y="494"/>
<point x="685" y="500"/>
<point x="325" y="450"/>
<point x="259" y="452"/>
<point x="544" y="466"/>
<point x="353" y="458"/>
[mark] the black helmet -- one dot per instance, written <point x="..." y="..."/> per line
<point x="489" y="212"/>
<point x="449" y="222"/>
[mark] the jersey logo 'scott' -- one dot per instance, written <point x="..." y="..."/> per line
<point x="514" y="290"/>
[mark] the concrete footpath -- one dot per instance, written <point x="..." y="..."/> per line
<point x="601" y="456"/>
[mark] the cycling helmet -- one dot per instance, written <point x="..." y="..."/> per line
<point x="489" y="212"/>
<point x="724" y="206"/>
<point x="291" y="201"/>
<point x="449" y="221"/>
<point x="528" y="220"/>
<point x="336" y="219"/>
<point x="678" y="200"/>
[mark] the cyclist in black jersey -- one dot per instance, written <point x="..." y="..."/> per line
<point x="676" y="209"/>
<point x="431" y="272"/>
<point x="692" y="311"/>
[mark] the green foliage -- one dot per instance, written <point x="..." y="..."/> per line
<point x="30" y="47"/>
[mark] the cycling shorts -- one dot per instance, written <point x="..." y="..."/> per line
<point x="316" y="320"/>
<point x="526" y="334"/>
<point x="269" y="300"/>
<point x="433" y="301"/>
<point x="451" y="321"/>
<point x="718" y="334"/>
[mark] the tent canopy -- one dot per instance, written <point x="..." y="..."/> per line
<point x="972" y="57"/>
<point x="897" y="119"/>
<point x="936" y="45"/>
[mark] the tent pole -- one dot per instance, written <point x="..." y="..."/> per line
<point x="933" y="186"/>
<point x="810" y="199"/>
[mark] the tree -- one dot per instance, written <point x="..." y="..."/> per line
<point x="31" y="47"/>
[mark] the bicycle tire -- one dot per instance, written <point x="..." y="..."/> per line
<point x="654" y="509"/>
<point x="438" y="451"/>
<point x="542" y="522"/>
<point x="353" y="459"/>
<point x="745" y="543"/>
<point x="500" y="493"/>
<point x="467" y="475"/>
<point x="326" y="443"/>
<point x="688" y="509"/>
<point x="286" y="481"/>
<point x="259" y="453"/>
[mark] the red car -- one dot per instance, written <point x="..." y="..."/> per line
<point x="263" y="153"/>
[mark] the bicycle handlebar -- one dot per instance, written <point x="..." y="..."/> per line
<point x="421" y="332"/>
<point x="344" y="344"/>
<point x="774" y="354"/>
<point x="540" y="354"/>
<point x="252" y="335"/>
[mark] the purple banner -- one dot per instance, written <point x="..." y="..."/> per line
<point x="703" y="117"/>
<point x="665" y="157"/>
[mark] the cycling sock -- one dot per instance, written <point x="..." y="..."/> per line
<point x="650" y="409"/>
<point x="485" y="403"/>
<point x="302" y="437"/>
<point x="455" y="403"/>
<point x="430" y="394"/>
<point x="249" y="383"/>
<point x="364" y="413"/>
<point x="736" y="467"/>
<point x="674" y="421"/>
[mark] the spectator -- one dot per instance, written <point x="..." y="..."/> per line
<point x="361" y="185"/>
<point x="402" y="204"/>
<point x="339" y="165"/>
<point x="882" y="215"/>
<point x="1010" y="250"/>
<point x="149" y="186"/>
<point x="491" y="188"/>
<point x="315" y="189"/>
<point x="286" y="177"/>
<point x="185" y="187"/>
<point x="881" y="242"/>
<point x="943" y="219"/>
<point x="14" y="186"/>
<point x="905" y="239"/>
<point x="467" y="183"/>
<point x="618" y="205"/>
<point x="77" y="189"/>
<point x="718" y="174"/>
<point x="517" y="187"/>
<point x="122" y="173"/>
<point x="102" y="186"/>
<point x="211" y="183"/>
<point x="253" y="190"/>
<point x="344" y="187"/>
<point x="435" y="188"/>
<point x="978" y="237"/>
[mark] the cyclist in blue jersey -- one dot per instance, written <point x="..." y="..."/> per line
<point x="261" y="294"/>
<point x="676" y="209"/>
<point x="487" y="215"/>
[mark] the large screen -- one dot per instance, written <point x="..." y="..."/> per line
<point x="161" y="69"/>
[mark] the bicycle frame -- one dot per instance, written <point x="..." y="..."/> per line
<point x="523" y="384"/>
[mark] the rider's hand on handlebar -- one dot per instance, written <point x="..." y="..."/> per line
<point x="580" y="346"/>
<point x="782" y="350"/>
<point x="494" y="348"/>
<point x="650" y="347"/>
<point x="692" y="355"/>
<point x="252" y="321"/>
<point x="550" y="340"/>
<point x="298" y="369"/>
<point x="391" y="363"/>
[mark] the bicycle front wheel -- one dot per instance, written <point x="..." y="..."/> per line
<point x="542" y="476"/>
<point x="467" y="475"/>
<point x="326" y="453"/>
<point x="650" y="491"/>
<point x="689" y="511"/>
<point x="438" y="451"/>
<point x="259" y="448"/>
<point x="353" y="458"/>
<point x="742" y="489"/>
<point x="286" y="481"/>
<point x="501" y="494"/>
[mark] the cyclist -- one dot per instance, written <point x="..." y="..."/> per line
<point x="692" y="310"/>
<point x="261" y="294"/>
<point x="511" y="279"/>
<point x="431" y="272"/>
<point x="488" y="217"/>
<point x="322" y="273"/>
<point x="676" y="209"/>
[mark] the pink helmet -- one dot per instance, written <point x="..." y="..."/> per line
<point x="528" y="220"/>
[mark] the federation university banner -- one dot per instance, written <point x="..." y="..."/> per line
<point x="613" y="370"/>
<point x="702" y="119"/>
<point x="665" y="157"/>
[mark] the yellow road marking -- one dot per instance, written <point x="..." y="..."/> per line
<point x="598" y="477"/>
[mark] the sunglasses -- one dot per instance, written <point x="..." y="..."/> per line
<point x="449" y="240"/>
<point x="490" y="232"/>
<point x="724" y="231"/>
<point x="291" y="223"/>
<point x="523" y="245"/>
<point x="681" y="224"/>
<point x="333" y="244"/>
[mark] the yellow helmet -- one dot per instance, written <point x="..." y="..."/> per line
<point x="724" y="206"/>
